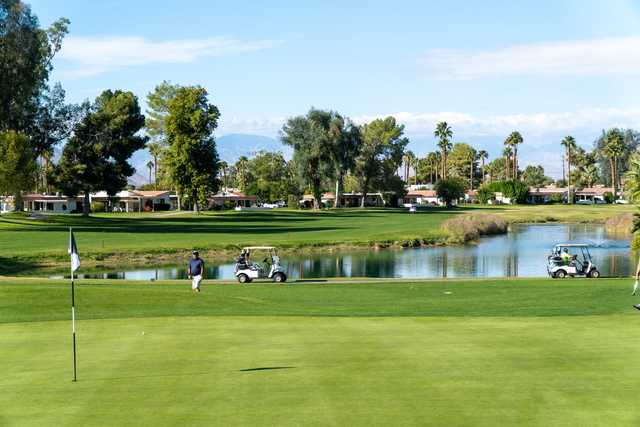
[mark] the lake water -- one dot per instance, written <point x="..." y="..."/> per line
<point x="521" y="252"/>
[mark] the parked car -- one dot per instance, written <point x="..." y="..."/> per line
<point x="621" y="202"/>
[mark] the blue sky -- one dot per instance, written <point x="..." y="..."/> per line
<point x="546" y="68"/>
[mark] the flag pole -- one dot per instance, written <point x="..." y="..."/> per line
<point x="73" y="313"/>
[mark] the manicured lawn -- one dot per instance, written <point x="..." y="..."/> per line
<point x="477" y="353"/>
<point x="118" y="237"/>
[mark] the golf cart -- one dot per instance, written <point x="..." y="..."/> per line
<point x="270" y="268"/>
<point x="568" y="259"/>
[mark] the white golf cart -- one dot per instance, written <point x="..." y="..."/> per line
<point x="270" y="268"/>
<point x="569" y="259"/>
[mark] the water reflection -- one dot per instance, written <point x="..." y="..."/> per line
<point x="521" y="252"/>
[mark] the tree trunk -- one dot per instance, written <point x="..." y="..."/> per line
<point x="337" y="194"/>
<point x="317" y="195"/>
<point x="568" y="177"/>
<point x="515" y="162"/>
<point x="507" y="160"/>
<point x="86" y="204"/>
<point x="613" y="176"/>
<point x="365" y="188"/>
<point x="471" y="176"/>
<point x="18" y="202"/>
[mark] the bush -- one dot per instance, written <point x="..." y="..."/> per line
<point x="517" y="191"/>
<point x="292" y="201"/>
<point x="470" y="227"/>
<point x="162" y="206"/>
<point x="556" y="198"/>
<point x="484" y="195"/>
<point x="449" y="190"/>
<point x="98" y="207"/>
<point x="608" y="197"/>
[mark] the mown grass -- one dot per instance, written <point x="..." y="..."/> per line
<point x="456" y="353"/>
<point x="136" y="238"/>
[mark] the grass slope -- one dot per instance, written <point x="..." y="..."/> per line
<point x="477" y="353"/>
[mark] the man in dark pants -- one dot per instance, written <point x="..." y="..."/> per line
<point x="196" y="271"/>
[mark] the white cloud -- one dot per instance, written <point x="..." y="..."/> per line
<point x="94" y="55"/>
<point x="536" y="124"/>
<point x="614" y="56"/>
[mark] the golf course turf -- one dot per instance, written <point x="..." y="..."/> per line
<point x="166" y="237"/>
<point x="455" y="352"/>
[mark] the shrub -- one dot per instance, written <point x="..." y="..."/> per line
<point x="449" y="190"/>
<point x="292" y="201"/>
<point x="470" y="227"/>
<point x="556" y="198"/>
<point x="608" y="197"/>
<point x="484" y="195"/>
<point x="517" y="191"/>
<point x="98" y="207"/>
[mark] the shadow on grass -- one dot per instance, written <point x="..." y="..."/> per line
<point x="12" y="266"/>
<point x="266" y="368"/>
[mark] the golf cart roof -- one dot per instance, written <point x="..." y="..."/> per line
<point x="264" y="248"/>
<point x="572" y="245"/>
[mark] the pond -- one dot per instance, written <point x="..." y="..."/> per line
<point x="521" y="252"/>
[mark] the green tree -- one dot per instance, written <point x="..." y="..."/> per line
<point x="533" y="176"/>
<point x="613" y="149"/>
<point x="383" y="145"/>
<point x="462" y="159"/>
<point x="345" y="141"/>
<point x="273" y="179"/>
<point x="190" y="124"/>
<point x="569" y="143"/>
<point x="310" y="138"/>
<point x="26" y="54"/>
<point x="96" y="156"/>
<point x="243" y="173"/>
<point x="17" y="164"/>
<point x="444" y="134"/>
<point x="155" y="124"/>
<point x="632" y="178"/>
<point x="449" y="190"/>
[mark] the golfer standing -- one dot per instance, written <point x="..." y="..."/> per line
<point x="196" y="271"/>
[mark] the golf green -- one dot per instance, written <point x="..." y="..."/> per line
<point x="478" y="353"/>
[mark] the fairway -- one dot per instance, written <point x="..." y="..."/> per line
<point x="481" y="352"/>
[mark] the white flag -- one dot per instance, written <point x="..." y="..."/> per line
<point x="73" y="251"/>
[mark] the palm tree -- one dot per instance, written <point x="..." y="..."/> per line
<point x="513" y="140"/>
<point x="444" y="133"/>
<point x="613" y="148"/>
<point x="472" y="160"/>
<point x="507" y="153"/>
<point x="590" y="174"/>
<point x="482" y="155"/>
<point x="223" y="168"/>
<point x="150" y="166"/>
<point x="633" y="178"/>
<point x="569" y="143"/>
<point x="156" y="149"/>
<point x="242" y="169"/>
<point x="408" y="159"/>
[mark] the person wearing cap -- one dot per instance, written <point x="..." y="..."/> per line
<point x="196" y="271"/>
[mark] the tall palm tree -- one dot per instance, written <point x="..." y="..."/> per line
<point x="242" y="171"/>
<point x="569" y="143"/>
<point x="150" y="166"/>
<point x="156" y="149"/>
<point x="482" y="155"/>
<point x="224" y="166"/>
<point x="444" y="134"/>
<point x="513" y="140"/>
<point x="613" y="148"/>
<point x="472" y="160"/>
<point x="507" y="153"/>
<point x="408" y="160"/>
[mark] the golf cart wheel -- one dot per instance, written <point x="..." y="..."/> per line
<point x="561" y="274"/>
<point x="594" y="274"/>
<point x="279" y="277"/>
<point x="243" y="278"/>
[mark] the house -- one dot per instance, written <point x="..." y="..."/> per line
<point x="470" y="196"/>
<point x="593" y="194"/>
<point x="6" y="204"/>
<point x="134" y="200"/>
<point x="348" y="200"/>
<point x="420" y="197"/>
<point x="500" y="199"/>
<point x="548" y="194"/>
<point x="52" y="203"/>
<point x="235" y="197"/>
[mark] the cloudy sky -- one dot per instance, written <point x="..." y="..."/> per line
<point x="545" y="68"/>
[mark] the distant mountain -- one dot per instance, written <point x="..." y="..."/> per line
<point x="234" y="145"/>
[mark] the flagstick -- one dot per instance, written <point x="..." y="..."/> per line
<point x="73" y="317"/>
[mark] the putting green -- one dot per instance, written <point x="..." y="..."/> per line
<point x="387" y="364"/>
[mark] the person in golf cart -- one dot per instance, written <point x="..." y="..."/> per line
<point x="566" y="257"/>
